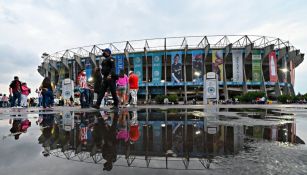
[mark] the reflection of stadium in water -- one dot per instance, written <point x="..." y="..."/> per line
<point x="151" y="135"/>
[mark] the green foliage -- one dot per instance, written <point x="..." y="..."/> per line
<point x="173" y="98"/>
<point x="251" y="96"/>
<point x="285" y="98"/>
<point x="160" y="99"/>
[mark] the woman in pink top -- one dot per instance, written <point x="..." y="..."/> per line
<point x="122" y="83"/>
<point x="25" y="91"/>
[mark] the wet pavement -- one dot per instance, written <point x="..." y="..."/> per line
<point x="198" y="140"/>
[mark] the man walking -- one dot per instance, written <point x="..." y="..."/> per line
<point x="133" y="88"/>
<point x="15" y="89"/>
<point x="109" y="78"/>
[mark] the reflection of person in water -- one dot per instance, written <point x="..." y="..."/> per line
<point x="46" y="122"/>
<point x="19" y="126"/>
<point x="217" y="62"/>
<point x="109" y="152"/>
<point x="176" y="70"/>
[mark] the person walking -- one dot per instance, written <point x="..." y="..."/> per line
<point x="5" y="101"/>
<point x="84" y="90"/>
<point x="109" y="78"/>
<point x="15" y="89"/>
<point x="47" y="93"/>
<point x="25" y="91"/>
<point x="133" y="88"/>
<point x="122" y="83"/>
<point x="39" y="97"/>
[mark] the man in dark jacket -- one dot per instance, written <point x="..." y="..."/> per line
<point x="109" y="79"/>
<point x="15" y="89"/>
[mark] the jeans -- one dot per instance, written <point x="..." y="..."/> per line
<point x="85" y="98"/>
<point x="134" y="96"/>
<point x="48" y="98"/>
<point x="16" y="96"/>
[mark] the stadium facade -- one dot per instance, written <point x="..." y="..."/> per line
<point x="176" y="65"/>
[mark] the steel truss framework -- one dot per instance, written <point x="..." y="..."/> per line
<point x="247" y="43"/>
<point x="190" y="42"/>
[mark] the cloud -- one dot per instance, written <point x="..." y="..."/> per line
<point x="37" y="26"/>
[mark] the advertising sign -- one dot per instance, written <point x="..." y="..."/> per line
<point x="67" y="88"/>
<point x="273" y="67"/>
<point x="138" y="69"/>
<point x="217" y="63"/>
<point x="237" y="66"/>
<point x="256" y="66"/>
<point x="88" y="69"/>
<point x="176" y="67"/>
<point x="197" y="65"/>
<point x="211" y="88"/>
<point x="119" y="63"/>
<point x="156" y="68"/>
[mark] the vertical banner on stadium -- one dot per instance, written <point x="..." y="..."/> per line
<point x="156" y="67"/>
<point x="256" y="66"/>
<point x="292" y="72"/>
<point x="119" y="63"/>
<point x="237" y="66"/>
<point x="197" y="65"/>
<point x="138" y="69"/>
<point x="217" y="63"/>
<point x="88" y="69"/>
<point x="176" y="67"/>
<point x="273" y="66"/>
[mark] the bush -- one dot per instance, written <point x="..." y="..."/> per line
<point x="285" y="98"/>
<point x="160" y="99"/>
<point x="251" y="96"/>
<point x="173" y="98"/>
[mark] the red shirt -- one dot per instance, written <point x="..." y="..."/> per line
<point x="133" y="81"/>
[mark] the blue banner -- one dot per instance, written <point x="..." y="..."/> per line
<point x="119" y="60"/>
<point x="138" y="69"/>
<point x="156" y="68"/>
<point x="197" y="65"/>
<point x="176" y="67"/>
<point x="88" y="69"/>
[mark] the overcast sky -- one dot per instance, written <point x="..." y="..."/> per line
<point x="30" y="27"/>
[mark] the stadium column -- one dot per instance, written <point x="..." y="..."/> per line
<point x="225" y="88"/>
<point x="93" y="59"/>
<point x="291" y="56"/>
<point x="267" y="50"/>
<point x="282" y="53"/>
<point x="185" y="74"/>
<point x="263" y="87"/>
<point x="206" y="50"/>
<point x="247" y="52"/>
<point x="165" y="60"/>
<point x="146" y="74"/>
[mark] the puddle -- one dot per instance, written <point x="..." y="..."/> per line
<point x="152" y="140"/>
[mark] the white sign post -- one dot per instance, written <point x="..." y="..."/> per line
<point x="211" y="90"/>
<point x="67" y="89"/>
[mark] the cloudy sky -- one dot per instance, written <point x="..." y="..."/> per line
<point x="30" y="27"/>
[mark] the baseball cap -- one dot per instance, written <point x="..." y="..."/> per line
<point x="107" y="50"/>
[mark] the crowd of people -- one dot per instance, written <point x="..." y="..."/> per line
<point x="122" y="87"/>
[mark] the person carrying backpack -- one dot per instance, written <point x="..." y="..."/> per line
<point x="15" y="90"/>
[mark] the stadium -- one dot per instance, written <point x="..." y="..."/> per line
<point x="177" y="65"/>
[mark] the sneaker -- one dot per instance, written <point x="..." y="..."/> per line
<point x="96" y="106"/>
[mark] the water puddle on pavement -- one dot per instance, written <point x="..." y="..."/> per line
<point x="220" y="140"/>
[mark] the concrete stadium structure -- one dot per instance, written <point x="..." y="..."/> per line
<point x="243" y="63"/>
